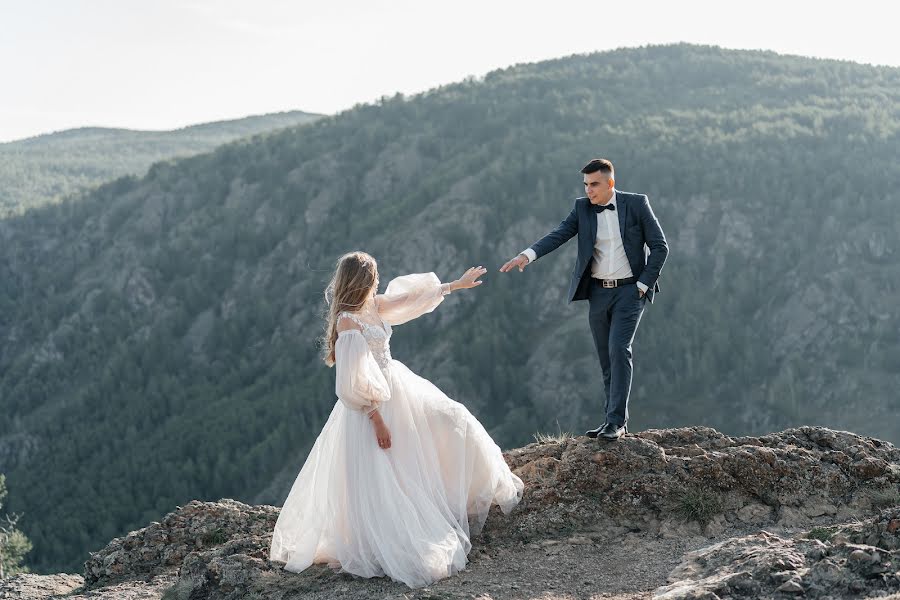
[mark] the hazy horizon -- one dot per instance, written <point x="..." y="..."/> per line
<point x="175" y="64"/>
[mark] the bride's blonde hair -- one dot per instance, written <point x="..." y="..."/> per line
<point x="355" y="276"/>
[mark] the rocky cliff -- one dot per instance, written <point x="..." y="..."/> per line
<point x="668" y="514"/>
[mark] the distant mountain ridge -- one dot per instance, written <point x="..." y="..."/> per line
<point x="45" y="168"/>
<point x="158" y="336"/>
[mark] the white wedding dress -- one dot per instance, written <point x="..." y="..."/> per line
<point x="408" y="511"/>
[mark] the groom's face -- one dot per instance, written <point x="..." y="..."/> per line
<point x="598" y="186"/>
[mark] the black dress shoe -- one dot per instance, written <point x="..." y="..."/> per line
<point x="592" y="433"/>
<point x="612" y="432"/>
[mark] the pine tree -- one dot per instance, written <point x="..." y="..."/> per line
<point x="13" y="543"/>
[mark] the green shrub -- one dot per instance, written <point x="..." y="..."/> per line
<point x="697" y="504"/>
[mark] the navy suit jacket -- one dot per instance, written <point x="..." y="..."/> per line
<point x="638" y="226"/>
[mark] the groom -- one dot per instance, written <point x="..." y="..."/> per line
<point x="612" y="272"/>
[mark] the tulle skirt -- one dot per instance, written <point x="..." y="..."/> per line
<point x="406" y="512"/>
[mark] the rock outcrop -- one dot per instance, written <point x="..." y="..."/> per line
<point x="656" y="488"/>
<point x="697" y="480"/>
<point x="853" y="561"/>
<point x="198" y="528"/>
<point x="25" y="586"/>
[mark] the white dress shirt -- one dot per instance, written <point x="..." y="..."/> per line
<point x="610" y="260"/>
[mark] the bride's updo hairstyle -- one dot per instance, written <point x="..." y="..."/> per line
<point x="355" y="277"/>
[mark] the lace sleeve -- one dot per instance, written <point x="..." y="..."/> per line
<point x="411" y="296"/>
<point x="359" y="383"/>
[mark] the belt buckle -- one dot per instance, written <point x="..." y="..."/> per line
<point x="609" y="283"/>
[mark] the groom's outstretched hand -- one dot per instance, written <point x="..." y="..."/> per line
<point x="520" y="261"/>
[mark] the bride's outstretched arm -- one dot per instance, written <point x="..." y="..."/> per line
<point x="412" y="296"/>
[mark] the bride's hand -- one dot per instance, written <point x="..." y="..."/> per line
<point x="382" y="433"/>
<point x="469" y="278"/>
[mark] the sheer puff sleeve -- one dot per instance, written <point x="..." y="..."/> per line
<point x="411" y="296"/>
<point x="359" y="382"/>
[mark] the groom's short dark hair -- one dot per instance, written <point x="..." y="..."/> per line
<point x="598" y="164"/>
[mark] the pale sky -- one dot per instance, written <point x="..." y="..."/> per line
<point x="163" y="64"/>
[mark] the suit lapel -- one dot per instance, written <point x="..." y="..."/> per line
<point x="622" y="212"/>
<point x="592" y="216"/>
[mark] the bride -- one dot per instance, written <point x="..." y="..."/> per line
<point x="401" y="475"/>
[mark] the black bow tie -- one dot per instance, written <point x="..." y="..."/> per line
<point x="599" y="208"/>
